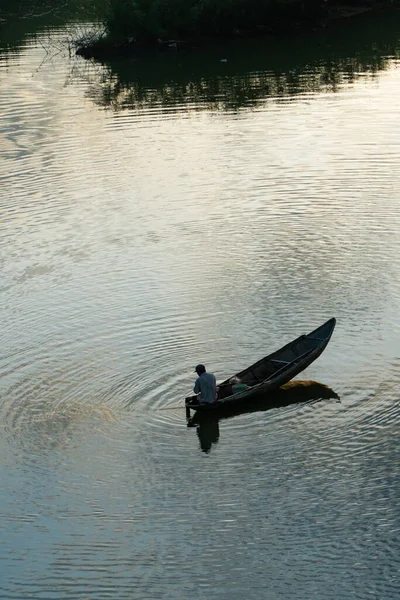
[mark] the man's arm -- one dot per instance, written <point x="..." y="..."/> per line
<point x="196" y="388"/>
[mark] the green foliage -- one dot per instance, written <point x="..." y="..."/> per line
<point x="68" y="9"/>
<point x="170" y="18"/>
<point x="150" y="18"/>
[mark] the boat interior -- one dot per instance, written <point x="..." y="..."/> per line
<point x="271" y="365"/>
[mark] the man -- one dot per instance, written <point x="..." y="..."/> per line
<point x="205" y="385"/>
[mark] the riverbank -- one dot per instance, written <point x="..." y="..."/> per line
<point x="112" y="45"/>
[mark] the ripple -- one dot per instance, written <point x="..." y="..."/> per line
<point x="137" y="242"/>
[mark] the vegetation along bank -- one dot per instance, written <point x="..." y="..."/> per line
<point x="136" y="26"/>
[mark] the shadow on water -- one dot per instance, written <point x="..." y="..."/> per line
<point x="294" y="392"/>
<point x="239" y="74"/>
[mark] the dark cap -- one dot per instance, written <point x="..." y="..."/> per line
<point x="200" y="369"/>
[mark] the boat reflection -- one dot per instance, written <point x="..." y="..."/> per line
<point x="293" y="392"/>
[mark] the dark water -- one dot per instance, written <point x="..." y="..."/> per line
<point x="203" y="211"/>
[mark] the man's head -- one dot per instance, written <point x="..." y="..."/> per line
<point x="200" y="369"/>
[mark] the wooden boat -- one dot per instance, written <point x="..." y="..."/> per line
<point x="269" y="373"/>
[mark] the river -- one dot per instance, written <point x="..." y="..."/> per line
<point x="199" y="207"/>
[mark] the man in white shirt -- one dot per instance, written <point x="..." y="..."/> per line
<point x="205" y="385"/>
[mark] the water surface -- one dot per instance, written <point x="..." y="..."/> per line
<point x="151" y="221"/>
